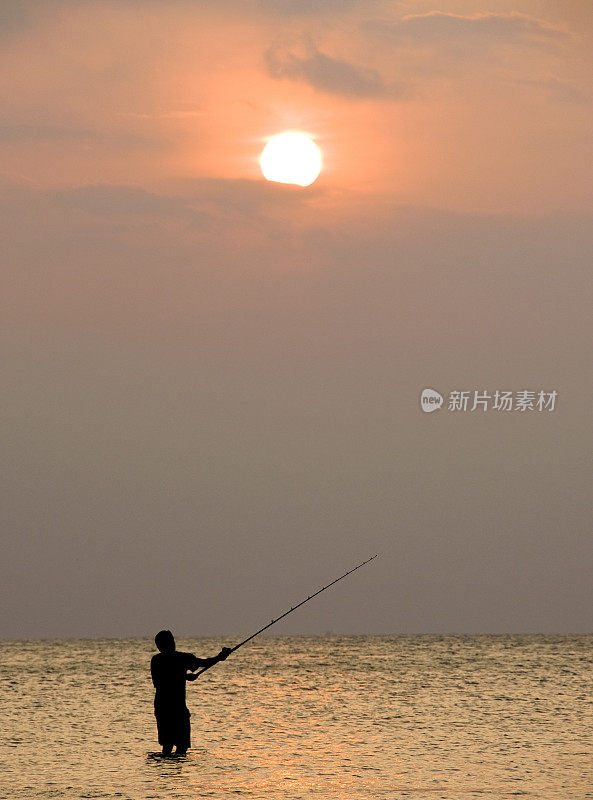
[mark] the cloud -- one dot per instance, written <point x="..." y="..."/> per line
<point x="36" y="133"/>
<point x="442" y="41"/>
<point x="561" y="91"/>
<point x="18" y="15"/>
<point x="308" y="64"/>
<point x="514" y="47"/>
<point x="201" y="205"/>
<point x="15" y="134"/>
<point x="117" y="201"/>
<point x="445" y="30"/>
<point x="308" y="7"/>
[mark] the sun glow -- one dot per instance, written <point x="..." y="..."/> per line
<point x="291" y="157"/>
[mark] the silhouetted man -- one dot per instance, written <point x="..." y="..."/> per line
<point x="169" y="670"/>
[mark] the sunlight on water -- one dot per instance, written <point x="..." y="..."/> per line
<point x="340" y="717"/>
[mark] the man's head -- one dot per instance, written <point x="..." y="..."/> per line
<point x="165" y="642"/>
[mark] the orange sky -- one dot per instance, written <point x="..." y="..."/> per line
<point x="456" y="110"/>
<point x="214" y="380"/>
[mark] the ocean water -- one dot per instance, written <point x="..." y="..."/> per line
<point x="305" y="717"/>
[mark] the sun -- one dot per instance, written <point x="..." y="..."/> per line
<point x="291" y="157"/>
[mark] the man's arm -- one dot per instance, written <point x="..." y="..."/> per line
<point x="196" y="663"/>
<point x="154" y="671"/>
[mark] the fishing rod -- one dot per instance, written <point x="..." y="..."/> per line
<point x="286" y="613"/>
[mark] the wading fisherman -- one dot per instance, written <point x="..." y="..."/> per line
<point x="169" y="670"/>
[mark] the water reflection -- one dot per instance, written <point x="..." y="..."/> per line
<point x="383" y="717"/>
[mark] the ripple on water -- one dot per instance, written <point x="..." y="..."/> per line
<point x="453" y="717"/>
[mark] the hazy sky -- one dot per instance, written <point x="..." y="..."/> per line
<point x="211" y="382"/>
